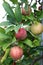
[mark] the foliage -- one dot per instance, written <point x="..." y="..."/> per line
<point x="16" y="20"/>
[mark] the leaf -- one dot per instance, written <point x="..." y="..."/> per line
<point x="11" y="19"/>
<point x="24" y="1"/>
<point x="34" y="49"/>
<point x="6" y="43"/>
<point x="16" y="28"/>
<point x="13" y="40"/>
<point x="8" y="9"/>
<point x="5" y="55"/>
<point x="2" y="30"/>
<point x="31" y="16"/>
<point x="34" y="5"/>
<point x="8" y="61"/>
<point x="25" y="61"/>
<point x="38" y="13"/>
<point x="3" y="36"/>
<point x="26" y="7"/>
<point x="40" y="48"/>
<point x="14" y="1"/>
<point x="10" y="28"/>
<point x="5" y="23"/>
<point x="36" y="42"/>
<point x="41" y="16"/>
<point x="28" y="42"/>
<point x="18" y="14"/>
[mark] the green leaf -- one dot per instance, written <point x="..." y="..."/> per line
<point x="8" y="61"/>
<point x="34" y="5"/>
<point x="26" y="7"/>
<point x="41" y="15"/>
<point x="10" y="28"/>
<point x="34" y="49"/>
<point x="18" y="14"/>
<point x="28" y="42"/>
<point x="5" y="23"/>
<point x="16" y="28"/>
<point x="24" y="1"/>
<point x="31" y="16"/>
<point x="8" y="9"/>
<point x="11" y="19"/>
<point x="38" y="13"/>
<point x="36" y="42"/>
<point x="13" y="40"/>
<point x="2" y="30"/>
<point x="14" y="1"/>
<point x="3" y="36"/>
<point x="6" y="43"/>
<point x="10" y="42"/>
<point x="25" y="61"/>
<point x="5" y="55"/>
<point x="40" y="48"/>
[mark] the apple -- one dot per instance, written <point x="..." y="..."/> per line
<point x="24" y="12"/>
<point x="40" y="8"/>
<point x="36" y="28"/>
<point x="16" y="52"/>
<point x="21" y="34"/>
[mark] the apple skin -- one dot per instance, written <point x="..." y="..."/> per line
<point x="40" y="8"/>
<point x="23" y="11"/>
<point x="21" y="34"/>
<point x="16" y="52"/>
<point x="36" y="28"/>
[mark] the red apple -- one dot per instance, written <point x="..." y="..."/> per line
<point x="40" y="8"/>
<point x="22" y="34"/>
<point x="24" y="12"/>
<point x="16" y="52"/>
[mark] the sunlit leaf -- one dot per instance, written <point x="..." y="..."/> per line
<point x="2" y="30"/>
<point x="8" y="9"/>
<point x="5" y="23"/>
<point x="3" y="36"/>
<point x="28" y="42"/>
